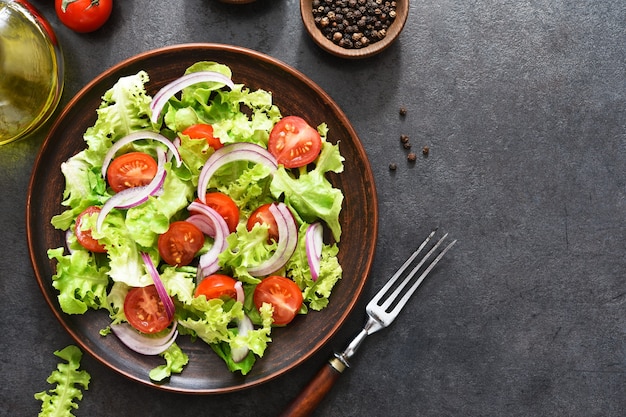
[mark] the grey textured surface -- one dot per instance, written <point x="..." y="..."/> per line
<point x="522" y="104"/>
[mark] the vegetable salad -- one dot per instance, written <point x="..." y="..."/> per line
<point x="130" y="260"/>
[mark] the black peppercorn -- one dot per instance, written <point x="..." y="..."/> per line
<point x="340" y="20"/>
<point x="411" y="157"/>
<point x="393" y="167"/>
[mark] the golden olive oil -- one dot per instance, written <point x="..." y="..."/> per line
<point x="30" y="72"/>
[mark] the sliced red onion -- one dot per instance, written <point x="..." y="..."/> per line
<point x="208" y="263"/>
<point x="162" y="97"/>
<point x="144" y="344"/>
<point x="203" y="223"/>
<point x="234" y="152"/>
<point x="287" y="241"/>
<point x="314" y="240"/>
<point x="176" y="142"/>
<point x="144" y="134"/>
<point x="243" y="327"/>
<point x="132" y="197"/>
<point x="241" y="297"/>
<point x="163" y="295"/>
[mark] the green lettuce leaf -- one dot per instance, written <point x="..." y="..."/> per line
<point x="61" y="400"/>
<point x="256" y="340"/>
<point x="180" y="282"/>
<point x="81" y="283"/>
<point x="244" y="366"/>
<point x="249" y="188"/>
<point x="84" y="187"/>
<point x="210" y="319"/>
<point x="115" y="299"/>
<point x="175" y="361"/>
<point x="124" y="255"/>
<point x="147" y="221"/>
<point x="223" y="108"/>
<point x="125" y="108"/>
<point x="314" y="293"/>
<point x="311" y="194"/>
<point x="246" y="249"/>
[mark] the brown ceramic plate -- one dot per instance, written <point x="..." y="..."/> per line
<point x="294" y="93"/>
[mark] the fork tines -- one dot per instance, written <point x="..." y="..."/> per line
<point x="392" y="304"/>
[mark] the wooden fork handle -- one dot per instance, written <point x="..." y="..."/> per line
<point x="308" y="399"/>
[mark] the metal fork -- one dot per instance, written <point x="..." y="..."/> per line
<point x="381" y="312"/>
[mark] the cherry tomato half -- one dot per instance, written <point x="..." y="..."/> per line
<point x="263" y="215"/>
<point x="225" y="206"/>
<point x="181" y="242"/>
<point x="84" y="236"/>
<point x="145" y="311"/>
<point x="132" y="169"/>
<point x="283" y="294"/>
<point x="216" y="286"/>
<point x="203" y="131"/>
<point x="294" y="143"/>
<point x="83" y="15"/>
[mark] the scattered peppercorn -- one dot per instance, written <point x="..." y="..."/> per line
<point x="425" y="150"/>
<point x="393" y="166"/>
<point x="406" y="145"/>
<point x="411" y="157"/>
<point x="404" y="139"/>
<point x="354" y="24"/>
<point x="402" y="111"/>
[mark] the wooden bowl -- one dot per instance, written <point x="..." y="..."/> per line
<point x="294" y="94"/>
<point x="306" y="11"/>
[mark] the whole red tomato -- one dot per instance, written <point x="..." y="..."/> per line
<point x="83" y="15"/>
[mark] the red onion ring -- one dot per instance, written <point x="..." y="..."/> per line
<point x="313" y="241"/>
<point x="208" y="263"/>
<point x="141" y="343"/>
<point x="68" y="236"/>
<point x="144" y="134"/>
<point x="132" y="197"/>
<point x="203" y="223"/>
<point x="243" y="327"/>
<point x="163" y="96"/>
<point x="241" y="297"/>
<point x="287" y="241"/>
<point x="163" y="295"/>
<point x="234" y="152"/>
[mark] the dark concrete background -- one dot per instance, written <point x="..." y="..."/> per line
<point x="523" y="106"/>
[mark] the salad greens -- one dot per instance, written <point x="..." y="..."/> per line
<point x="60" y="400"/>
<point x="92" y="281"/>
